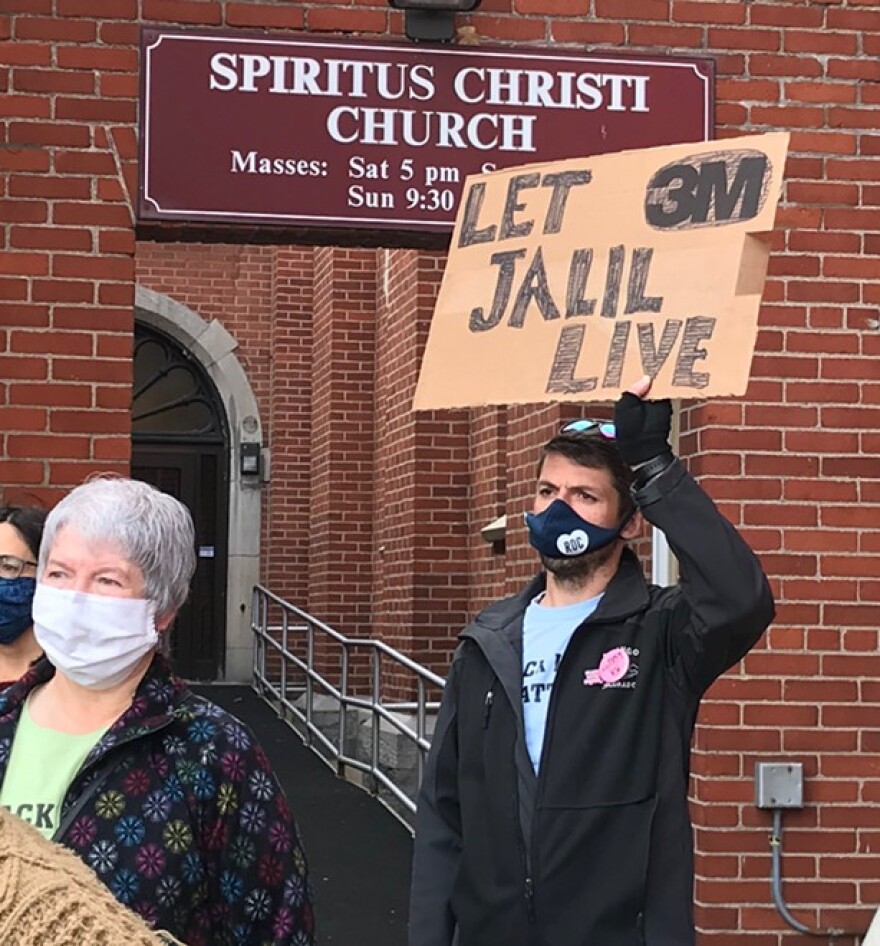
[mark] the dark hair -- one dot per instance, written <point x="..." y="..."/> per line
<point x="28" y="522"/>
<point x="597" y="453"/>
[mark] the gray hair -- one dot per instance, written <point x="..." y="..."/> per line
<point x="153" y="530"/>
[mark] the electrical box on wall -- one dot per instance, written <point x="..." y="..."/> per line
<point x="249" y="460"/>
<point x="779" y="784"/>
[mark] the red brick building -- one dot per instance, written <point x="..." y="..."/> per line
<point x="369" y="516"/>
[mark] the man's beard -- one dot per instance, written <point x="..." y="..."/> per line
<point x="576" y="572"/>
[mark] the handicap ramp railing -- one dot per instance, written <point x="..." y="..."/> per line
<point x="333" y="690"/>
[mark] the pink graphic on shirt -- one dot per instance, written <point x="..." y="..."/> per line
<point x="612" y="667"/>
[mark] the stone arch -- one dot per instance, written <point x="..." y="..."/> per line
<point x="214" y="348"/>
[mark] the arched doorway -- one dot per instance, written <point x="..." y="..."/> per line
<point x="180" y="443"/>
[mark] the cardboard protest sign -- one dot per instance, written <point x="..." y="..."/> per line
<point x="572" y="279"/>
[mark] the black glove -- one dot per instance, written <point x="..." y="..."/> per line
<point x="642" y="428"/>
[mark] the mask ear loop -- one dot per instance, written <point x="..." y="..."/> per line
<point x="627" y="519"/>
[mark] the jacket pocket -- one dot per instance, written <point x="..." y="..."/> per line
<point x="592" y="865"/>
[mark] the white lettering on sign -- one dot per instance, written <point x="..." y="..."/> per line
<point x="297" y="75"/>
<point x="395" y="126"/>
<point x="373" y="170"/>
<point x="252" y="162"/>
<point x="536" y="88"/>
<point x="360" y="196"/>
<point x="416" y="83"/>
<point x="474" y="85"/>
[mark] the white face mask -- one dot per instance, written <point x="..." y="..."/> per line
<point x="94" y="640"/>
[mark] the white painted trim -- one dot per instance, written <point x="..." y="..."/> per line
<point x="663" y="565"/>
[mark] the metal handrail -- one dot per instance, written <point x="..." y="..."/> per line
<point x="291" y="626"/>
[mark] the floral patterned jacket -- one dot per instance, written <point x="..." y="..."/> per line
<point x="177" y="810"/>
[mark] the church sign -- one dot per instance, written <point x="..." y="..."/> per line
<point x="313" y="133"/>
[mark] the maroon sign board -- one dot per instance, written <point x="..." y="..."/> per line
<point x="308" y="133"/>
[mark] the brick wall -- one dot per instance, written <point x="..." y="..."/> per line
<point x="489" y="476"/>
<point x="795" y="463"/>
<point x="289" y="492"/>
<point x="66" y="266"/>
<point x="342" y="470"/>
<point x="422" y="477"/>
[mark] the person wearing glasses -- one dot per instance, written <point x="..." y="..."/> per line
<point x="21" y="528"/>
<point x="553" y="807"/>
<point x="164" y="795"/>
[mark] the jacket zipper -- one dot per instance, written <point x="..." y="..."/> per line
<point x="529" y="843"/>
<point x="529" y="884"/>
<point x="487" y="707"/>
<point x="104" y="768"/>
<point x="530" y="899"/>
<point x="105" y="765"/>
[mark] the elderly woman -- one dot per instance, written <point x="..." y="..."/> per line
<point x="163" y="794"/>
<point x="20" y="530"/>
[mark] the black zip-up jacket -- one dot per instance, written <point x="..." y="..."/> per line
<point x="596" y="850"/>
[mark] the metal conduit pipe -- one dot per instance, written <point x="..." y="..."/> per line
<point x="776" y="888"/>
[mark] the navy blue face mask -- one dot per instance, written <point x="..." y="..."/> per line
<point x="16" y="595"/>
<point x="559" y="532"/>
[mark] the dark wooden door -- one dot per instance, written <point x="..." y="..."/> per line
<point x="196" y="475"/>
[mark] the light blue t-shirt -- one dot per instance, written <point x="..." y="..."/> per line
<point x="546" y="633"/>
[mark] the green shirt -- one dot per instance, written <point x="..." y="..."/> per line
<point x="42" y="764"/>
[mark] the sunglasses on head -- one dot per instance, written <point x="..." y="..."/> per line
<point x="604" y="428"/>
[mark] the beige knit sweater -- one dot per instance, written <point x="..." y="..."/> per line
<point x="49" y="897"/>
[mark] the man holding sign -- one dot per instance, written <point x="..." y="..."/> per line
<point x="553" y="810"/>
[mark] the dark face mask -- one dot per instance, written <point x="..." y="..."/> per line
<point x="16" y="595"/>
<point x="559" y="532"/>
